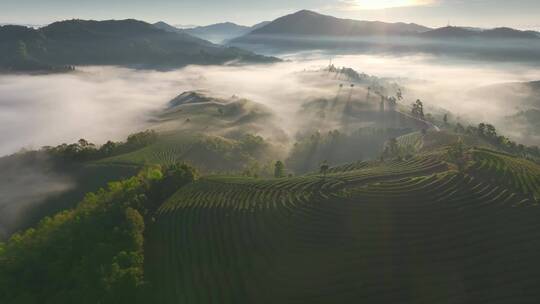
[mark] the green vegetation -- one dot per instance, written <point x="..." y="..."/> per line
<point x="488" y="133"/>
<point x="93" y="253"/>
<point x="85" y="151"/>
<point x="396" y="229"/>
<point x="430" y="216"/>
<point x="418" y="109"/>
<point x="279" y="169"/>
<point x="409" y="231"/>
<point x="197" y="112"/>
<point x="337" y="147"/>
<point x="457" y="155"/>
<point x="208" y="153"/>
<point x="516" y="173"/>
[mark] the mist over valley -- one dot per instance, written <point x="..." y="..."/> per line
<point x="306" y="159"/>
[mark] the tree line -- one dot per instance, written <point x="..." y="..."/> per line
<point x="84" y="150"/>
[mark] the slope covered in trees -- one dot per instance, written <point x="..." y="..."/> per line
<point x="93" y="253"/>
<point x="61" y="45"/>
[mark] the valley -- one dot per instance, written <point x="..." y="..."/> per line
<point x="306" y="159"/>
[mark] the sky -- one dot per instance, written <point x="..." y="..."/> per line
<point x="522" y="14"/>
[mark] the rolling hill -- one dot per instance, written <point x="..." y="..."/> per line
<point x="200" y="112"/>
<point x="61" y="45"/>
<point x="411" y="231"/>
<point x="407" y="230"/>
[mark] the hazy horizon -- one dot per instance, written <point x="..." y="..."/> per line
<point x="433" y="13"/>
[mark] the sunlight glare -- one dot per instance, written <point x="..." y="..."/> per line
<point x="382" y="4"/>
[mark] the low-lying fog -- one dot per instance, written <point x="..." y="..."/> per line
<point x="109" y="103"/>
<point x="101" y="103"/>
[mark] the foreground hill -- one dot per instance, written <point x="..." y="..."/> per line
<point x="411" y="231"/>
<point x="125" y="42"/>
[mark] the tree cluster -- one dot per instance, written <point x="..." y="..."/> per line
<point x="489" y="133"/>
<point x="337" y="147"/>
<point x="84" y="150"/>
<point x="418" y="110"/>
<point x="93" y="253"/>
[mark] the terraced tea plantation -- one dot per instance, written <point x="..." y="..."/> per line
<point x="514" y="172"/>
<point x="410" y="231"/>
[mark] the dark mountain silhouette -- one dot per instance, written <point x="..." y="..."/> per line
<point x="463" y="33"/>
<point x="311" y="23"/>
<point x="307" y="30"/>
<point x="260" y="24"/>
<point x="126" y="42"/>
<point x="226" y="28"/>
<point x="222" y="32"/>
<point x="216" y="33"/>
<point x="167" y="27"/>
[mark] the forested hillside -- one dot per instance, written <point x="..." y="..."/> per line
<point x="93" y="253"/>
<point x="62" y="45"/>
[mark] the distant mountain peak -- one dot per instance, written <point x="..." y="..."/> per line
<point x="306" y="12"/>
<point x="219" y="32"/>
<point x="306" y="22"/>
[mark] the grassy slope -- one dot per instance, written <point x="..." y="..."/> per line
<point x="432" y="140"/>
<point x="207" y="153"/>
<point x="513" y="172"/>
<point x="403" y="231"/>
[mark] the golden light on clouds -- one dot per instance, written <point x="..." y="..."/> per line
<point x="382" y="4"/>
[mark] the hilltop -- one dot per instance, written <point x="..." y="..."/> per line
<point x="311" y="23"/>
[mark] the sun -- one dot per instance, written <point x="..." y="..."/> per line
<point x="382" y="4"/>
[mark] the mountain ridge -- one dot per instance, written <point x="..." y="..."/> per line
<point x="129" y="42"/>
<point x="306" y="22"/>
<point x="308" y="30"/>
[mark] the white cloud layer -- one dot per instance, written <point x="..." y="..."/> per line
<point x="109" y="103"/>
